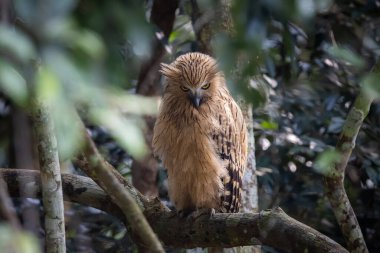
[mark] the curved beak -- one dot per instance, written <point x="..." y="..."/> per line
<point x="196" y="99"/>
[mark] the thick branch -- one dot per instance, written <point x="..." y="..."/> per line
<point x="272" y="228"/>
<point x="334" y="181"/>
<point x="79" y="189"/>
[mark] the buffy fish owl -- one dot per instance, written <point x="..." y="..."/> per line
<point x="200" y="136"/>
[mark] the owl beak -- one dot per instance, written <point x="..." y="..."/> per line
<point x="196" y="99"/>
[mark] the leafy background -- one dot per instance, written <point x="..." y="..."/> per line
<point x="304" y="63"/>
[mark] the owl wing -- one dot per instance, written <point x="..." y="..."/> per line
<point x="231" y="145"/>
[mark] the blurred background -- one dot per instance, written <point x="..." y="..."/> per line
<point x="301" y="64"/>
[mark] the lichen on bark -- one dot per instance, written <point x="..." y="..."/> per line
<point x="51" y="183"/>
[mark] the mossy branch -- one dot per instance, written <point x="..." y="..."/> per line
<point x="51" y="182"/>
<point x="334" y="179"/>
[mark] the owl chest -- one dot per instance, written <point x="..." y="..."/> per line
<point x="188" y="141"/>
<point x="190" y="129"/>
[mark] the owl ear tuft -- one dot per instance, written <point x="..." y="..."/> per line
<point x="169" y="71"/>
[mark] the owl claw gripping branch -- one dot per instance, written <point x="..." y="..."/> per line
<point x="200" y="135"/>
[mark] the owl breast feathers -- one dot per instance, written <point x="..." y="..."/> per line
<point x="200" y="135"/>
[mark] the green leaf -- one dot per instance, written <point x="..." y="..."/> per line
<point x="326" y="160"/>
<point x="13" y="84"/>
<point x="347" y="56"/>
<point x="48" y="86"/>
<point x="90" y="43"/>
<point x="269" y="125"/>
<point x="83" y="40"/>
<point x="371" y="85"/>
<point x="183" y="30"/>
<point x="67" y="128"/>
<point x="68" y="132"/>
<point x="128" y="133"/>
<point x="36" y="16"/>
<point x="16" y="44"/>
<point x="17" y="241"/>
<point x="78" y="84"/>
<point x="133" y="104"/>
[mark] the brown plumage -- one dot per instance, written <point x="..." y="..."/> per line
<point x="200" y="135"/>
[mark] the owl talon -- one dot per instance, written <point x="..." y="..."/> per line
<point x="172" y="214"/>
<point x="185" y="212"/>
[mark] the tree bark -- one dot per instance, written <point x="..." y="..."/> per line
<point x="334" y="178"/>
<point x="250" y="200"/>
<point x="250" y="195"/>
<point x="50" y="179"/>
<point x="273" y="227"/>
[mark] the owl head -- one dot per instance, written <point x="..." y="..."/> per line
<point x="193" y="77"/>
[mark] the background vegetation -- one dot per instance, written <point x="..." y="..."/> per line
<point x="302" y="64"/>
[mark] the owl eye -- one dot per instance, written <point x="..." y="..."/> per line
<point x="206" y="86"/>
<point x="183" y="88"/>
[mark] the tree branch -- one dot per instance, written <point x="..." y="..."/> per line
<point x="125" y="200"/>
<point x="43" y="127"/>
<point x="273" y="228"/>
<point x="334" y="180"/>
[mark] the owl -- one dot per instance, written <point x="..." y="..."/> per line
<point x="200" y="136"/>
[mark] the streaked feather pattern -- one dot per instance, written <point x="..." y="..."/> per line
<point x="204" y="148"/>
